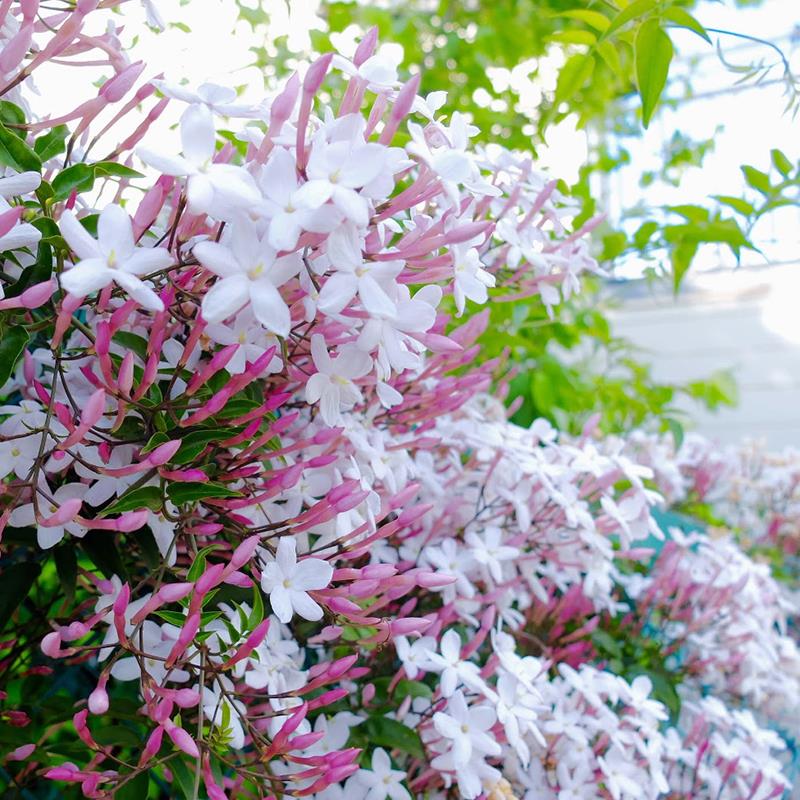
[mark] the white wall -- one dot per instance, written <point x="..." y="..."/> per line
<point x="747" y="320"/>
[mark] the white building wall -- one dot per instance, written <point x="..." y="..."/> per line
<point x="746" y="320"/>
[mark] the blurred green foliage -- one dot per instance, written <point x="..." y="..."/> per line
<point x="520" y="67"/>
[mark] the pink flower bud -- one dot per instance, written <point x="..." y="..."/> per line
<point x="114" y="89"/>
<point x="66" y="513"/>
<point x="51" y="644"/>
<point x="183" y="741"/>
<point x="403" y="627"/>
<point x="66" y="772"/>
<point x="152" y="746"/>
<point x="244" y="552"/>
<point x="172" y="592"/>
<point x="186" y="698"/>
<point x="98" y="699"/>
<point x="73" y="631"/>
<point x="163" y="453"/>
<point x="21" y="753"/>
<point x="38" y="294"/>
<point x="434" y="580"/>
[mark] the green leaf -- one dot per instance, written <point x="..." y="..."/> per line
<point x="677" y="431"/>
<point x="12" y="113"/>
<point x="781" y="163"/>
<point x="757" y="179"/>
<point x="595" y="19"/>
<point x="132" y="341"/>
<point x="117" y="734"/>
<point x="609" y="53"/>
<point x="17" y="582"/>
<point x="195" y="442"/>
<point x="683" y="19"/>
<point x="653" y="54"/>
<point x="78" y="177"/>
<point x="606" y="643"/>
<point x="181" y="492"/>
<point x="414" y="688"/>
<point x="635" y="10"/>
<point x="257" y="614"/>
<point x="67" y="568"/>
<point x="642" y="236"/>
<point x="199" y="563"/>
<point x="103" y="169"/>
<point x="681" y="258"/>
<point x="156" y="440"/>
<point x="691" y="213"/>
<point x="736" y="203"/>
<point x="574" y="74"/>
<point x="575" y="36"/>
<point x="12" y="345"/>
<point x="135" y="789"/>
<point x="51" y="143"/>
<point x="134" y="499"/>
<point x="16" y="154"/>
<point x="38" y="272"/>
<point x="101" y="547"/>
<point x="385" y="732"/>
<point x="184" y="777"/>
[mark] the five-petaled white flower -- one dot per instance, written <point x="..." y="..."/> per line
<point x="468" y="728"/>
<point x="333" y="383"/>
<point x="381" y="781"/>
<point x="336" y="170"/>
<point x="209" y="184"/>
<point x="111" y="258"/>
<point x="288" y="581"/>
<point x="250" y="273"/>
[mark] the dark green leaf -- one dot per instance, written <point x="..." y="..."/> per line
<point x="181" y="492"/>
<point x="385" y="732"/>
<point x="199" y="563"/>
<point x="653" y="52"/>
<point x="37" y="272"/>
<point x="78" y="177"/>
<point x="67" y="568"/>
<point x="135" y="789"/>
<point x="195" y="442"/>
<point x="16" y="582"/>
<point x="257" y="614"/>
<point x="13" y="114"/>
<point x="132" y="341"/>
<point x="134" y="499"/>
<point x="16" y="154"/>
<point x="12" y="345"/>
<point x="101" y="547"/>
<point x="112" y="168"/>
<point x="156" y="440"/>
<point x="51" y="143"/>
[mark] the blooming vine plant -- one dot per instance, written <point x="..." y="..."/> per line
<point x="284" y="540"/>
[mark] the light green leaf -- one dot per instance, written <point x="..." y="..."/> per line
<point x="683" y="19"/>
<point x="635" y="10"/>
<point x="573" y="76"/>
<point x="653" y="54"/>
